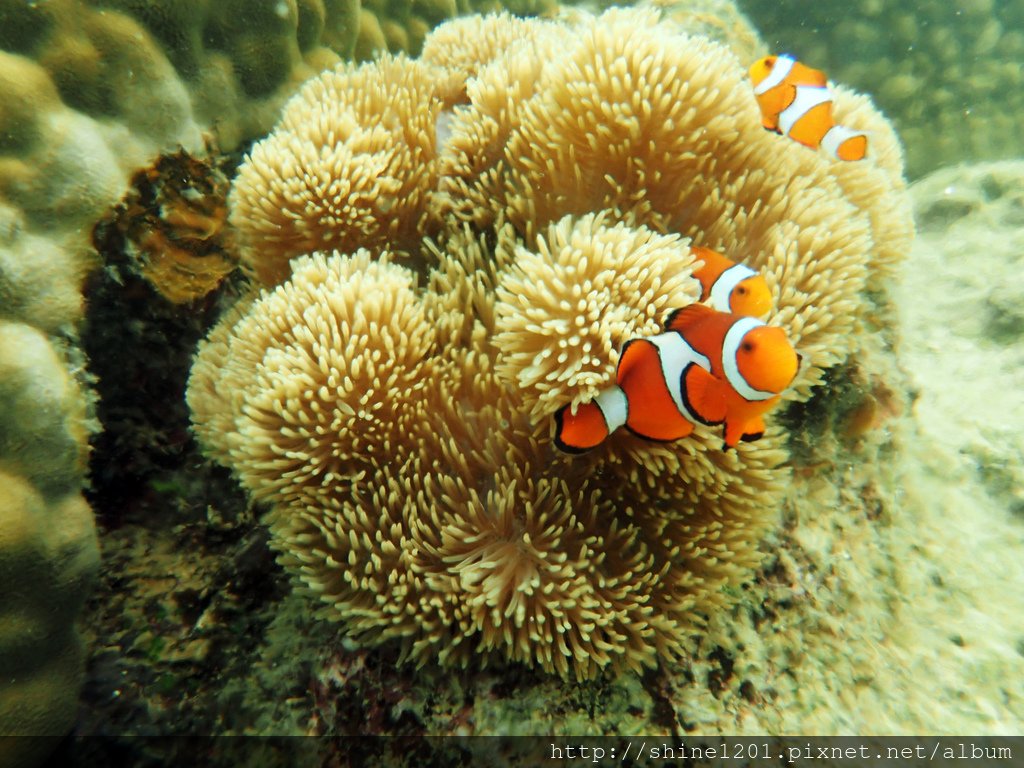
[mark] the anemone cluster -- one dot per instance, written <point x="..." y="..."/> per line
<point x="453" y="247"/>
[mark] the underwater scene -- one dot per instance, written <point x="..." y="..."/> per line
<point x="450" y="368"/>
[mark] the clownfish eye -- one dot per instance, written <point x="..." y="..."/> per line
<point x="770" y="62"/>
<point x="747" y="346"/>
<point x="741" y="290"/>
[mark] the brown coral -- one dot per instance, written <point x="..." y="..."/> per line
<point x="401" y="434"/>
<point x="174" y="217"/>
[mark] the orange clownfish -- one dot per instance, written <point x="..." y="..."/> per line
<point x="731" y="287"/>
<point x="708" y="367"/>
<point x="795" y="101"/>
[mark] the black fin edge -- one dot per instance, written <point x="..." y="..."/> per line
<point x="559" y="444"/>
<point x="686" y="399"/>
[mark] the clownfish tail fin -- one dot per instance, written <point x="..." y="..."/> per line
<point x="579" y="432"/>
<point x="586" y="429"/>
<point x="845" y="143"/>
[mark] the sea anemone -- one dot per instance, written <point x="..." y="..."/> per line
<point x="391" y="400"/>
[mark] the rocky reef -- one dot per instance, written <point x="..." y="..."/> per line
<point x="826" y="579"/>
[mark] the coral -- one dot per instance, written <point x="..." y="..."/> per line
<point x="239" y="61"/>
<point x="74" y="123"/>
<point x="265" y="41"/>
<point x="39" y="280"/>
<point x="351" y="164"/>
<point x="400" y="434"/>
<point x="164" y="71"/>
<point x="399" y="27"/>
<point x="58" y="170"/>
<point x="174" y="219"/>
<point x="57" y="162"/>
<point x="89" y="93"/>
<point x="44" y="433"/>
<point x="61" y="167"/>
<point x="48" y="549"/>
<point x="948" y="76"/>
<point x="86" y="97"/>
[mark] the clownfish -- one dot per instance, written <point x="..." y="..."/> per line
<point x="731" y="287"/>
<point x="708" y="367"/>
<point x="795" y="101"/>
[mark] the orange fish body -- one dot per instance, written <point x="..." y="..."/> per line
<point x="751" y="364"/>
<point x="709" y="367"/>
<point x="648" y="396"/>
<point x="795" y="101"/>
<point x="731" y="287"/>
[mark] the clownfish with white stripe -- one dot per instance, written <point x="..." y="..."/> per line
<point x="708" y="367"/>
<point x="731" y="287"/>
<point x="795" y="101"/>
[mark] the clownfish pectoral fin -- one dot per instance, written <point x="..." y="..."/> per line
<point x="801" y="74"/>
<point x="733" y="433"/>
<point x="581" y="431"/>
<point x="681" y="320"/>
<point x="704" y="395"/>
<point x="746" y="430"/>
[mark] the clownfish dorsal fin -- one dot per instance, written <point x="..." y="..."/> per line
<point x="681" y="320"/>
<point x="810" y="76"/>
